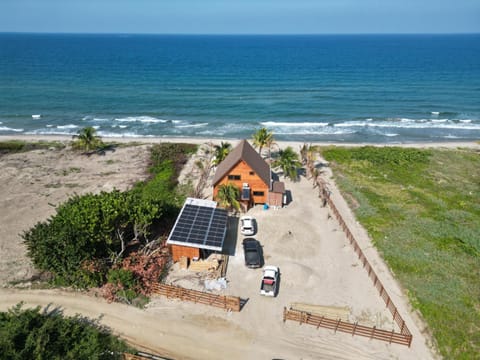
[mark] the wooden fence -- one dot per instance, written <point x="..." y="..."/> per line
<point x="232" y="303"/>
<point x="325" y="195"/>
<point x="143" y="356"/>
<point x="347" y="327"/>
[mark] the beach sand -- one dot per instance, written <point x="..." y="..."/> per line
<point x="317" y="263"/>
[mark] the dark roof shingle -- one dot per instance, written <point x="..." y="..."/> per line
<point x="243" y="151"/>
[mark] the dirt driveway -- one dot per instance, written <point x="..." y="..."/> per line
<point x="318" y="266"/>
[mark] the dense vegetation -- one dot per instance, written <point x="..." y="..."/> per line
<point x="15" y="146"/>
<point x="47" y="334"/>
<point x="422" y="211"/>
<point x="113" y="237"/>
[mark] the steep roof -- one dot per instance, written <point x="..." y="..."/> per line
<point x="243" y="151"/>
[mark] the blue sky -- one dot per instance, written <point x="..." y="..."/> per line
<point x="241" y="16"/>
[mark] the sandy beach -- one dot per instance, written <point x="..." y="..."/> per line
<point x="318" y="265"/>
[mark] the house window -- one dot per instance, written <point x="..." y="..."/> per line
<point x="233" y="177"/>
<point x="258" y="193"/>
<point x="252" y="173"/>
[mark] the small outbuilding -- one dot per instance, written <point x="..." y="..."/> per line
<point x="199" y="230"/>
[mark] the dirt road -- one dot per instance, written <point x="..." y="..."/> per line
<point x="207" y="334"/>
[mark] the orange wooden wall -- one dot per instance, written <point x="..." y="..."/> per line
<point x="178" y="251"/>
<point x="254" y="181"/>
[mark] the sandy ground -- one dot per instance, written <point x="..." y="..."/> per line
<point x="318" y="266"/>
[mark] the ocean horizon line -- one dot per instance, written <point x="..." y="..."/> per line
<point x="243" y="34"/>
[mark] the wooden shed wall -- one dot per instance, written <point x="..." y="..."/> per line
<point x="253" y="180"/>
<point x="178" y="251"/>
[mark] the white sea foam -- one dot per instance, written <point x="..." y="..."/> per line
<point x="414" y="124"/>
<point x="293" y="124"/>
<point x="435" y="112"/>
<point x="191" y="125"/>
<point x="50" y="125"/>
<point x="352" y="124"/>
<point x="69" y="126"/>
<point x="326" y="130"/>
<point x="5" y="128"/>
<point x="47" y="132"/>
<point x="96" y="127"/>
<point x="121" y="135"/>
<point x="390" y="134"/>
<point x="142" y="119"/>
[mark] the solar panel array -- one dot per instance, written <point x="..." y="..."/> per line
<point x="203" y="227"/>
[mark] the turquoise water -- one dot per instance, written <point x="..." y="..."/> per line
<point x="382" y="88"/>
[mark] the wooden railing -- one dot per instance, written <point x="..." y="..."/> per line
<point x="346" y="327"/>
<point x="232" y="303"/>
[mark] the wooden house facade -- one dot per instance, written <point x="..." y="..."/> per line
<point x="245" y="168"/>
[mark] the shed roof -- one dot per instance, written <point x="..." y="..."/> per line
<point x="200" y="225"/>
<point x="243" y="151"/>
<point x="278" y="187"/>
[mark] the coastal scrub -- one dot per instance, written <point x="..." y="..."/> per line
<point x="421" y="208"/>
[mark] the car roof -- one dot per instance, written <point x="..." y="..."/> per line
<point x="250" y="241"/>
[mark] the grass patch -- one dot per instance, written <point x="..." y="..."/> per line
<point x="422" y="211"/>
<point x="16" y="146"/>
<point x="70" y="170"/>
<point x="53" y="185"/>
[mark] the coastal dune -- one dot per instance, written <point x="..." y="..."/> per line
<point x="323" y="271"/>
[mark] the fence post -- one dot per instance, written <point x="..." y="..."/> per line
<point x="338" y="323"/>
<point x="354" y="328"/>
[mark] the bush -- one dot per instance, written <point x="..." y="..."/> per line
<point x="93" y="233"/>
<point x="47" y="334"/>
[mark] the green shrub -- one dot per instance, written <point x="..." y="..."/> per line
<point x="422" y="212"/>
<point x="47" y="334"/>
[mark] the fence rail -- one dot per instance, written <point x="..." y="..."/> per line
<point x="232" y="303"/>
<point x="347" y="327"/>
<point x="325" y="195"/>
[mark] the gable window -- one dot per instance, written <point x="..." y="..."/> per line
<point x="258" y="193"/>
<point x="252" y="173"/>
<point x="233" y="177"/>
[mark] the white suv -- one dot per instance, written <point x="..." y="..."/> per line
<point x="247" y="225"/>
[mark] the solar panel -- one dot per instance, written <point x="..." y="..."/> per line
<point x="200" y="226"/>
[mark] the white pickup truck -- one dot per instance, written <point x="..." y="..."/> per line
<point x="269" y="281"/>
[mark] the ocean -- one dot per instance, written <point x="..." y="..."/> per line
<point x="339" y="88"/>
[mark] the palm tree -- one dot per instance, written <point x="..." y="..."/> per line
<point x="263" y="138"/>
<point x="228" y="195"/>
<point x="221" y="152"/>
<point x="87" y="139"/>
<point x="308" y="155"/>
<point x="289" y="163"/>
